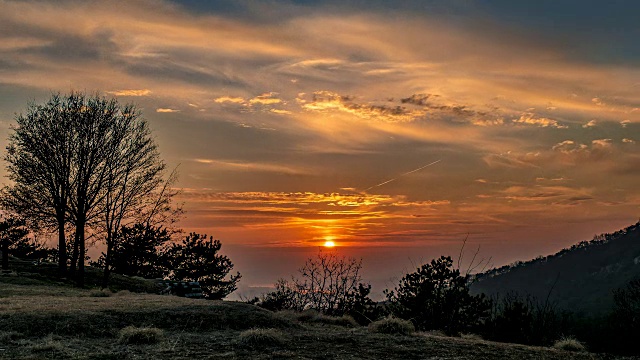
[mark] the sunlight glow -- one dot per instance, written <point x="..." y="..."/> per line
<point x="329" y="244"/>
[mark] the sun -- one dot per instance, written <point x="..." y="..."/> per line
<point x="329" y="244"/>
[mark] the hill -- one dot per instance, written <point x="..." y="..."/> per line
<point x="580" y="278"/>
<point x="60" y="322"/>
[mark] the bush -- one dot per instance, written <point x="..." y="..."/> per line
<point x="140" y="335"/>
<point x="436" y="297"/>
<point x="261" y="338"/>
<point x="569" y="344"/>
<point x="391" y="325"/>
<point x="328" y="284"/>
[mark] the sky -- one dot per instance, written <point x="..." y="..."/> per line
<point x="395" y="129"/>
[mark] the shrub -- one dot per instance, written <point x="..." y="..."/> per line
<point x="524" y="320"/>
<point x="569" y="344"/>
<point x="436" y="297"/>
<point x="139" y="336"/>
<point x="391" y="325"/>
<point x="261" y="338"/>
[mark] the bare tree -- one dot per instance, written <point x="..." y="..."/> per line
<point x="328" y="281"/>
<point x="39" y="158"/>
<point x="83" y="160"/>
<point x="133" y="172"/>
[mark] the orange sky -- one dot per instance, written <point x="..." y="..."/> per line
<point x="289" y="121"/>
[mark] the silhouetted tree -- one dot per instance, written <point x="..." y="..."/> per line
<point x="138" y="252"/>
<point x="196" y="258"/>
<point x="39" y="157"/>
<point x="83" y="160"/>
<point x="436" y="297"/>
<point x="626" y="316"/>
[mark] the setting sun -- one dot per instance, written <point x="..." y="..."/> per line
<point x="329" y="244"/>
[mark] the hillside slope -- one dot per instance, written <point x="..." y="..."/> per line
<point x="56" y="322"/>
<point x="580" y="278"/>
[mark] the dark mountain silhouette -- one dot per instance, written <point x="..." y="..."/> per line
<point x="580" y="278"/>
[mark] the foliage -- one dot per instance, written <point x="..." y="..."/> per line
<point x="284" y="297"/>
<point x="15" y="241"/>
<point x="196" y="258"/>
<point x="392" y="325"/>
<point x="137" y="251"/>
<point x="436" y="297"/>
<point x="585" y="275"/>
<point x="524" y="320"/>
<point x="625" y="317"/>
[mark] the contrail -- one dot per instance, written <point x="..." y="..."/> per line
<point x="407" y="173"/>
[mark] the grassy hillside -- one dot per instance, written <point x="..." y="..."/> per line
<point x="59" y="322"/>
<point x="580" y="278"/>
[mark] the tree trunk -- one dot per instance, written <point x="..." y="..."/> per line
<point x="5" y="254"/>
<point x="107" y="264"/>
<point x="62" y="248"/>
<point x="74" y="256"/>
<point x="81" y="253"/>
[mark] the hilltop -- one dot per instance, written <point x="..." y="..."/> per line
<point x="60" y="322"/>
<point x="580" y="278"/>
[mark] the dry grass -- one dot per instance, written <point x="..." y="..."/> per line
<point x="132" y="335"/>
<point x="313" y="316"/>
<point x="50" y="346"/>
<point x="569" y="344"/>
<point x="261" y="338"/>
<point x="86" y="327"/>
<point x="392" y="325"/>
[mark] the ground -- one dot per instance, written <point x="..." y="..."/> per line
<point x="46" y="320"/>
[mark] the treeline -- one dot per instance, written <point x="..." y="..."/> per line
<point x="143" y="251"/>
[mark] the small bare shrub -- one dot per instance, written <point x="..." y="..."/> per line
<point x="138" y="336"/>
<point x="569" y="344"/>
<point x="391" y="325"/>
<point x="261" y="338"/>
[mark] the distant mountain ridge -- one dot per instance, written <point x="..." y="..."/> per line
<point x="580" y="278"/>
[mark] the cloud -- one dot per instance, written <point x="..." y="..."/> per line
<point x="252" y="166"/>
<point x="324" y="101"/>
<point x="590" y="124"/>
<point x="166" y="110"/>
<point x="530" y="118"/>
<point x="130" y="92"/>
<point x="554" y="195"/>
<point x="265" y="99"/>
<point x="229" y="99"/>
<point x="628" y="141"/>
<point x="603" y="143"/>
